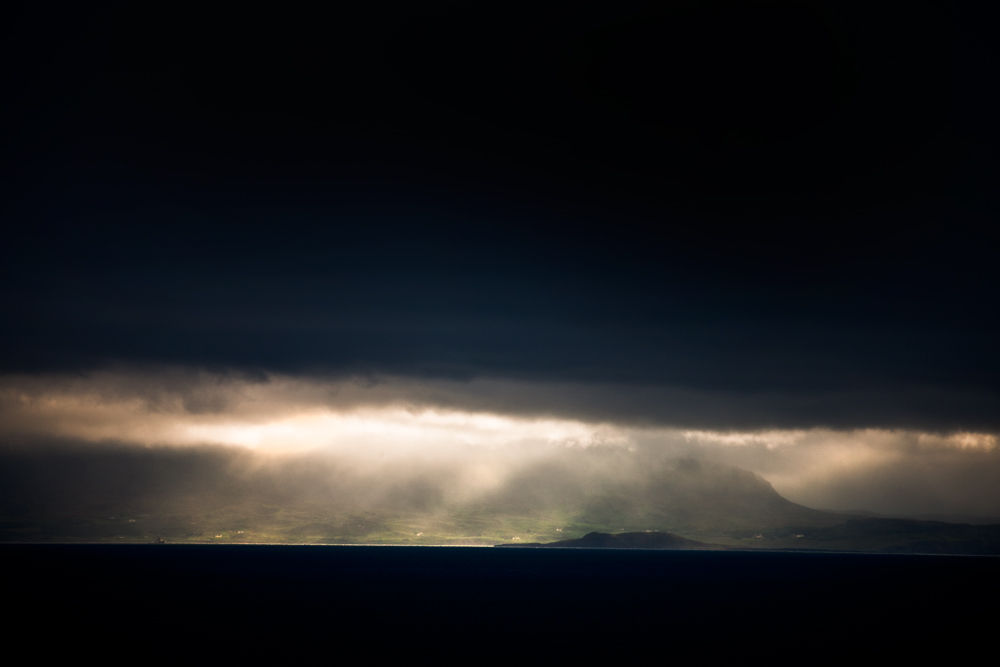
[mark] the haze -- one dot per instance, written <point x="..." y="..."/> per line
<point x="369" y="426"/>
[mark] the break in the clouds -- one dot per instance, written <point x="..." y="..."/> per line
<point x="481" y="435"/>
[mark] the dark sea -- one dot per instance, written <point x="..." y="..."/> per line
<point x="448" y="602"/>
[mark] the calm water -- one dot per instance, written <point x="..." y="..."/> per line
<point x="326" y="598"/>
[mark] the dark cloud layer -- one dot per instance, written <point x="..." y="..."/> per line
<point x="781" y="211"/>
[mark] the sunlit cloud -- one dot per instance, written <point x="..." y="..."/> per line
<point x="400" y="421"/>
<point x="769" y="439"/>
<point x="283" y="415"/>
<point x="399" y="430"/>
<point x="982" y="441"/>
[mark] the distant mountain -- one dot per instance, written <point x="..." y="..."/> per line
<point x="700" y="498"/>
<point x="648" y="540"/>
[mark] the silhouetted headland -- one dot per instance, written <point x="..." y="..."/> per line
<point x="646" y="540"/>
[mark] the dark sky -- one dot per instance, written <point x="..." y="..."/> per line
<point x="791" y="206"/>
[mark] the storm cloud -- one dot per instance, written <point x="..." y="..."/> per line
<point x="494" y="228"/>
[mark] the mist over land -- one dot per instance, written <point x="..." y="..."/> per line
<point x="75" y="491"/>
<point x="439" y="274"/>
<point x="65" y="490"/>
<point x="459" y="441"/>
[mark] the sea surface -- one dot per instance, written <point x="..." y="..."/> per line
<point x="330" y="600"/>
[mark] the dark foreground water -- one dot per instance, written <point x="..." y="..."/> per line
<point x="330" y="602"/>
